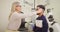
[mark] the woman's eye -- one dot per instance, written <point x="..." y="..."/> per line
<point x="18" y="6"/>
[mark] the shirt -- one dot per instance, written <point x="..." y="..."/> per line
<point x="44" y="25"/>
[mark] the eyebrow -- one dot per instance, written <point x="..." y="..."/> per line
<point x="18" y="5"/>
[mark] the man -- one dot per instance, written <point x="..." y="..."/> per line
<point x="44" y="27"/>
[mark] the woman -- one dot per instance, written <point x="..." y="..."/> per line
<point x="16" y="16"/>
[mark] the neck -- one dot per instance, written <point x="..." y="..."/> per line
<point x="18" y="11"/>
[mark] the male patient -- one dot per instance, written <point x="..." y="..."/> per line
<point x="44" y="26"/>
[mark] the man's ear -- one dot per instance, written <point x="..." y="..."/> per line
<point x="43" y="10"/>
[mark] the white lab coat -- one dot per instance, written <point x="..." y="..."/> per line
<point x="15" y="20"/>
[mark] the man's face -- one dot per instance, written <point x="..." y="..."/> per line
<point x="40" y="9"/>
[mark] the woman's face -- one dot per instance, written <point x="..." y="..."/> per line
<point x="18" y="7"/>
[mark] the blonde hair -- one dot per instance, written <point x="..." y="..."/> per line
<point x="13" y="8"/>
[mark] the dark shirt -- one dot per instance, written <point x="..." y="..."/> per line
<point x="44" y="26"/>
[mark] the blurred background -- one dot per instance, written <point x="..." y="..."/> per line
<point x="27" y="6"/>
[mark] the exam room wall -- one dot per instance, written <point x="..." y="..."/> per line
<point x="5" y="6"/>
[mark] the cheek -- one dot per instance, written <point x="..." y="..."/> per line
<point x="40" y="10"/>
<point x="18" y="8"/>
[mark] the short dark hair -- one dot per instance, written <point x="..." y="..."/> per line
<point x="41" y="6"/>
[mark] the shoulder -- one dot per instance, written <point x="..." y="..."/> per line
<point x="14" y="15"/>
<point x="44" y="17"/>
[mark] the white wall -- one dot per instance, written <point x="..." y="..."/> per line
<point x="56" y="12"/>
<point x="5" y="6"/>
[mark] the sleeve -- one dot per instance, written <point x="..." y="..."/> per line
<point x="45" y="25"/>
<point x="26" y="15"/>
